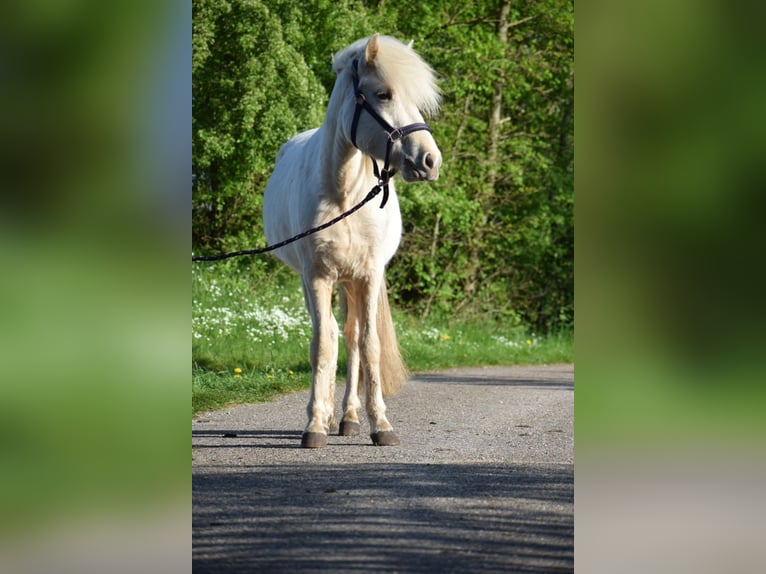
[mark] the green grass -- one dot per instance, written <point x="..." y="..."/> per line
<point x="250" y="339"/>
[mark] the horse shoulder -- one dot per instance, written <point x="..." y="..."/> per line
<point x="294" y="145"/>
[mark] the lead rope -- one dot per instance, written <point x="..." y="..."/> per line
<point x="373" y="192"/>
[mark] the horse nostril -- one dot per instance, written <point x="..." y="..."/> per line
<point x="428" y="161"/>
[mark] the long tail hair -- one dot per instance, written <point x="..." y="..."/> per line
<point x="393" y="372"/>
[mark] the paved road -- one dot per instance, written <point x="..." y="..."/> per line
<point x="482" y="482"/>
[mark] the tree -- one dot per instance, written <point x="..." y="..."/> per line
<point x="251" y="92"/>
<point x="495" y="234"/>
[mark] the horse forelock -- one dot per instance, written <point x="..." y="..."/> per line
<point x="399" y="66"/>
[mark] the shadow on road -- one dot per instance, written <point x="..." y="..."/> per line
<point x="248" y="439"/>
<point x="464" y="379"/>
<point x="384" y="518"/>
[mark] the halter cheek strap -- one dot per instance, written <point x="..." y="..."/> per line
<point x="394" y="134"/>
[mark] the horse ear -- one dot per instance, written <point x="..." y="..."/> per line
<point x="371" y="52"/>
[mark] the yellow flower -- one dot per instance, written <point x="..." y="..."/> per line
<point x="290" y="373"/>
<point x="237" y="376"/>
<point x="269" y="377"/>
<point x="445" y="337"/>
<point x="529" y="341"/>
<point x="238" y="370"/>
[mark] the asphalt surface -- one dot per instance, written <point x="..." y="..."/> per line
<point x="483" y="481"/>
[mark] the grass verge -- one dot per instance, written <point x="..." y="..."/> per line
<point x="250" y="339"/>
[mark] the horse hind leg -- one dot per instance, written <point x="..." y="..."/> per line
<point x="349" y="425"/>
<point x="381" y="430"/>
<point x="324" y="356"/>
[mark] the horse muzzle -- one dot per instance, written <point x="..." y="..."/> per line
<point x="425" y="167"/>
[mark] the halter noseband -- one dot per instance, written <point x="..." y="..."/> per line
<point x="394" y="134"/>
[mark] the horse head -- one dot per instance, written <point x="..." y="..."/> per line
<point x="397" y="89"/>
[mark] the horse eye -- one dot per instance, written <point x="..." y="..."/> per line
<point x="384" y="95"/>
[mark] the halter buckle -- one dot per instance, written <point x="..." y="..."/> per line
<point x="395" y="134"/>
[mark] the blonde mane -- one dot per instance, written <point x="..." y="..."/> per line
<point x="402" y="68"/>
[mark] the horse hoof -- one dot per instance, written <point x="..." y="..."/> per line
<point x="384" y="438"/>
<point x="313" y="440"/>
<point x="348" y="428"/>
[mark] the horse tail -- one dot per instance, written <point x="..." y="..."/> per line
<point x="393" y="372"/>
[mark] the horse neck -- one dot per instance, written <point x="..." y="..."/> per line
<point x="346" y="172"/>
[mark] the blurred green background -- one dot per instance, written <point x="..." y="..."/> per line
<point x="670" y="179"/>
<point x="95" y="148"/>
<point x="670" y="182"/>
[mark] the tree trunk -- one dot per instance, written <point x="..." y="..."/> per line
<point x="485" y="195"/>
<point x="497" y="103"/>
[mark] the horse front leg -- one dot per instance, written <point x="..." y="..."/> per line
<point x="349" y="424"/>
<point x="381" y="430"/>
<point x="324" y="357"/>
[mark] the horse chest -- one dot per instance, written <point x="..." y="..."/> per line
<point x="360" y="244"/>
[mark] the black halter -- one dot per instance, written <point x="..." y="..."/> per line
<point x="394" y="134"/>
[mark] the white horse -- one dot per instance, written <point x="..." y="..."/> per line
<point x="381" y="85"/>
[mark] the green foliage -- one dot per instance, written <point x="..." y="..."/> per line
<point x="495" y="234"/>
<point x="494" y="237"/>
<point x="252" y="91"/>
